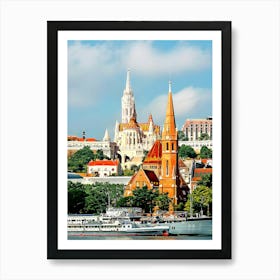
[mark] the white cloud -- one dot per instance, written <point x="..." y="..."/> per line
<point x="186" y="102"/>
<point x="92" y="68"/>
<point x="150" y="61"/>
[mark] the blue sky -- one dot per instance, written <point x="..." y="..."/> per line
<point x="97" y="76"/>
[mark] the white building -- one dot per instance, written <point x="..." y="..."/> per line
<point x="103" y="168"/>
<point x="133" y="138"/>
<point x="197" y="145"/>
<point x="109" y="148"/>
<point x="195" y="128"/>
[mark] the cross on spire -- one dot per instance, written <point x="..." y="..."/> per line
<point x="127" y="86"/>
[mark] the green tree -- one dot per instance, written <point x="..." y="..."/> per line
<point x="163" y="201"/>
<point x="204" y="136"/>
<point x="206" y="180"/>
<point x="128" y="172"/>
<point x="93" y="198"/>
<point x="76" y="198"/>
<point x="126" y="201"/>
<point x="144" y="198"/>
<point x="186" y="151"/>
<point x="205" y="152"/>
<point x="134" y="167"/>
<point x="145" y="154"/>
<point x="78" y="161"/>
<point x="179" y="207"/>
<point x="102" y="195"/>
<point x="99" y="155"/>
<point x="200" y="199"/>
<point x="182" y="136"/>
<point x="96" y="201"/>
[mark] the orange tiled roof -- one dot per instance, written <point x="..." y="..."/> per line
<point x="143" y="126"/>
<point x="103" y="162"/>
<point x="76" y="138"/>
<point x="202" y="170"/>
<point x="155" y="152"/>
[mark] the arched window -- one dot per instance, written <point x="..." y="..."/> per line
<point x="167" y="147"/>
<point x="167" y="168"/>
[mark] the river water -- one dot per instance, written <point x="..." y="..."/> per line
<point x="120" y="237"/>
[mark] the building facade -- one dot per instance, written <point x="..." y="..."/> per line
<point x="75" y="143"/>
<point x="197" y="144"/>
<point x="195" y="128"/>
<point x="162" y="163"/>
<point x="132" y="137"/>
<point x="104" y="168"/>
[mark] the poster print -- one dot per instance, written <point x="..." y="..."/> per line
<point x="142" y="128"/>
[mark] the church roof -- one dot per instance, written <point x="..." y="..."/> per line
<point x="143" y="126"/>
<point x="155" y="152"/>
<point x="132" y="123"/>
<point x="151" y="176"/>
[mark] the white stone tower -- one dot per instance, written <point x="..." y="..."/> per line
<point x="128" y="103"/>
<point x="106" y="136"/>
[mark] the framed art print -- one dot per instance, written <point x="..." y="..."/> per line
<point x="139" y="140"/>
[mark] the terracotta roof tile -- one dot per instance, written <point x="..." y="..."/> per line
<point x="103" y="162"/>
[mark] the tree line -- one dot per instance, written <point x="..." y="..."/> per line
<point x="89" y="199"/>
<point x="186" y="151"/>
<point x="79" y="160"/>
<point x="94" y="199"/>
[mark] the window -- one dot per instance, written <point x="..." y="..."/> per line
<point x="167" y="168"/>
<point x="167" y="146"/>
<point x="172" y="146"/>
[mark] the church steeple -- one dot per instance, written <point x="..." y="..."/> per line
<point x="169" y="172"/>
<point x="106" y="136"/>
<point x="169" y="128"/>
<point x="127" y="85"/>
<point x="128" y="103"/>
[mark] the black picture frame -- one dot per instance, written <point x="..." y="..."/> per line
<point x="53" y="27"/>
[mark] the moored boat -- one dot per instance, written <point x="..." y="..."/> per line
<point x="109" y="226"/>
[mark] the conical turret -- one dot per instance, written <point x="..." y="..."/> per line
<point x="169" y="128"/>
<point x="106" y="136"/>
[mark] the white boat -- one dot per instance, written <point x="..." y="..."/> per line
<point x="191" y="226"/>
<point x="183" y="225"/>
<point x="106" y="225"/>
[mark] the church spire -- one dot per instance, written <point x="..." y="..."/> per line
<point x="169" y="84"/>
<point x="169" y="128"/>
<point x="106" y="136"/>
<point x="127" y="85"/>
<point x="128" y="102"/>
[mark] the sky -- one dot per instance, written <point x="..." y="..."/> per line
<point x="97" y="76"/>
